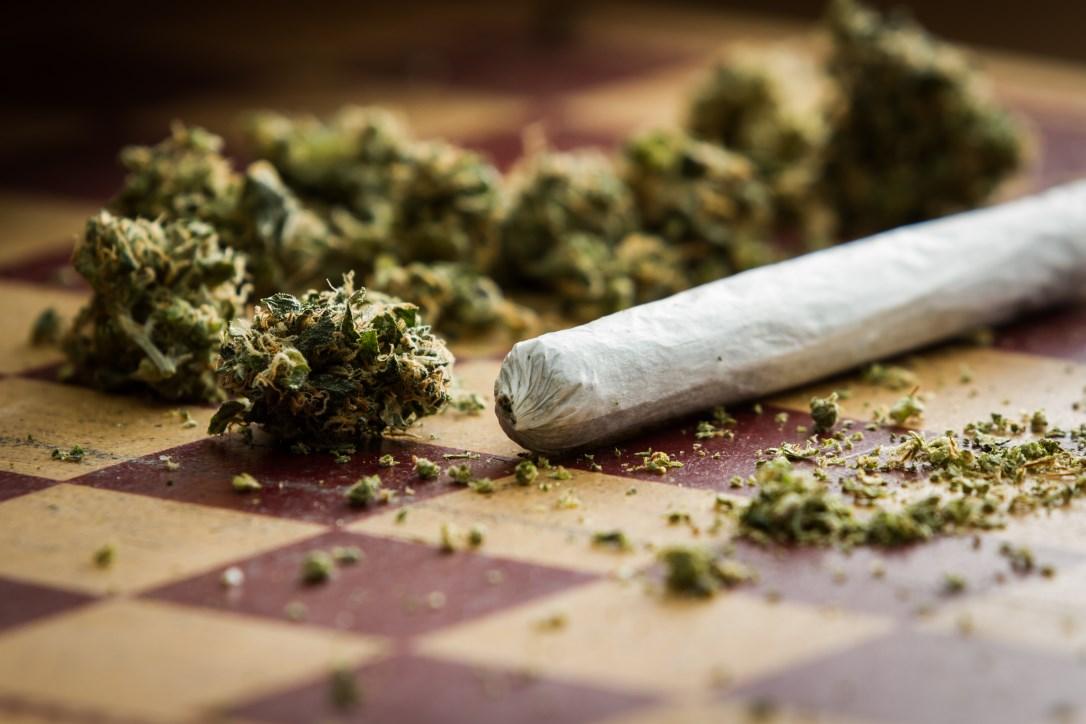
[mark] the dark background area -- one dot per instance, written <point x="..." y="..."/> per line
<point x="100" y="54"/>
<point x="76" y="77"/>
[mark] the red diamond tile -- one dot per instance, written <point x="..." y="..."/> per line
<point x="52" y="268"/>
<point x="916" y="677"/>
<point x="307" y="487"/>
<point x="388" y="592"/>
<point x="515" y="59"/>
<point x="1054" y="333"/>
<point x="911" y="578"/>
<point x="424" y="691"/>
<point x="24" y="602"/>
<point x="733" y="457"/>
<point x="13" y="484"/>
<point x="505" y="148"/>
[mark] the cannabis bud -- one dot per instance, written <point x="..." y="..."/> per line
<point x="183" y="177"/>
<point x="163" y="295"/>
<point x="454" y="298"/>
<point x="286" y="242"/>
<point x="332" y="368"/>
<point x="448" y="204"/>
<point x="766" y="107"/>
<point x="703" y="198"/>
<point x="567" y="211"/>
<point x="915" y="134"/>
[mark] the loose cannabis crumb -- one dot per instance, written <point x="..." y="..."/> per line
<point x="658" y="462"/>
<point x="347" y="555"/>
<point x="824" y="412"/>
<point x="953" y="584"/>
<point x="891" y="377"/>
<point x="526" y="472"/>
<point x="469" y="403"/>
<point x="483" y="486"/>
<point x="105" y="556"/>
<point x="365" y="491"/>
<point x="447" y="540"/>
<point x="696" y="571"/>
<point x="344" y="690"/>
<point x="560" y="473"/>
<point x="553" y="622"/>
<point x="615" y="539"/>
<point x="75" y="454"/>
<point x="317" y="567"/>
<point x="460" y="474"/>
<point x="476" y="536"/>
<point x="426" y="469"/>
<point x="246" y="483"/>
<point x="47" y="328"/>
<point x="906" y="408"/>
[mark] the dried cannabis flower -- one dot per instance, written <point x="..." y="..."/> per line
<point x="448" y="207"/>
<point x="704" y="199"/>
<point x="526" y="472"/>
<point x="824" y="411"/>
<point x="567" y="212"/>
<point x="46" y="329"/>
<point x="455" y="298"/>
<point x="184" y="177"/>
<point x="696" y="571"/>
<point x="915" y="134"/>
<point x="745" y="105"/>
<point x="332" y="368"/>
<point x="163" y="294"/>
<point x="422" y="201"/>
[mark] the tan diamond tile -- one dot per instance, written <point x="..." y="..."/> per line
<point x="480" y="432"/>
<point x="430" y="110"/>
<point x="37" y="416"/>
<point x="164" y="662"/>
<point x="739" y="712"/>
<point x="1001" y="381"/>
<point x="621" y="635"/>
<point x="32" y="225"/>
<point x="50" y="537"/>
<point x="22" y="304"/>
<point x="1015" y="620"/>
<point x="555" y="527"/>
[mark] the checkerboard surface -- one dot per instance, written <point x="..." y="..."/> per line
<point x="536" y="624"/>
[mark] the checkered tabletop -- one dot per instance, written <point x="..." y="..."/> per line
<point x="536" y="624"/>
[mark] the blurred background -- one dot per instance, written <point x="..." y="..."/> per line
<point x="84" y="79"/>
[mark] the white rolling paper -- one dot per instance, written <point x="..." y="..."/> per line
<point x="786" y="324"/>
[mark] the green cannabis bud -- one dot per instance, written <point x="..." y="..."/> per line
<point x="347" y="159"/>
<point x="456" y="299"/>
<point x="744" y="106"/>
<point x="47" y="328"/>
<point x="567" y="212"/>
<point x="183" y="177"/>
<point x="916" y="133"/>
<point x="699" y="572"/>
<point x="163" y="295"/>
<point x="286" y="241"/>
<point x="824" y="411"/>
<point x="383" y="190"/>
<point x="449" y="202"/>
<point x="702" y="198"/>
<point x="332" y="368"/>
